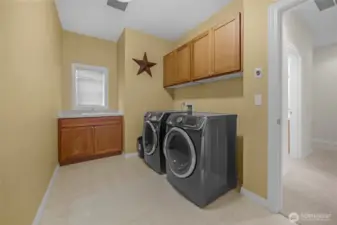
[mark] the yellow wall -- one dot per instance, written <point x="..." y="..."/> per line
<point x="30" y="77"/>
<point x="91" y="51"/>
<point x="142" y="92"/>
<point x="255" y="118"/>
<point x="237" y="96"/>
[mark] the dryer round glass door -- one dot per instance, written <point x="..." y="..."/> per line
<point x="180" y="153"/>
<point x="150" y="138"/>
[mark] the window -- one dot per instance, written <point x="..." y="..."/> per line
<point x="90" y="87"/>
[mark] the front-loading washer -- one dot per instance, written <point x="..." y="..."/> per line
<point x="200" y="155"/>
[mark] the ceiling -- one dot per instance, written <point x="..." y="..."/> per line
<point x="168" y="19"/>
<point x="323" y="24"/>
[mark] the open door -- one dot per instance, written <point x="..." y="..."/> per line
<point x="294" y="103"/>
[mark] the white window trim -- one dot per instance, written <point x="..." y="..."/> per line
<point x="105" y="71"/>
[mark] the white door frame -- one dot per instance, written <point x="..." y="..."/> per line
<point x="277" y="118"/>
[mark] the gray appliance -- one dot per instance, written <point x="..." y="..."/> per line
<point x="200" y="155"/>
<point x="153" y="136"/>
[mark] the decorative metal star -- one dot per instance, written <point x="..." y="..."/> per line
<point x="144" y="65"/>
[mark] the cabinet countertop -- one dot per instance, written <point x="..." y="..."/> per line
<point x="85" y="114"/>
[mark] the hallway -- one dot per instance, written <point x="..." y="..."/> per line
<point x="310" y="186"/>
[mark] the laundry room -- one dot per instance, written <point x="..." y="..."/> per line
<point x="152" y="113"/>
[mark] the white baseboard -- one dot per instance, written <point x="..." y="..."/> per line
<point x="130" y="155"/>
<point x="254" y="197"/>
<point x="320" y="144"/>
<point x="43" y="203"/>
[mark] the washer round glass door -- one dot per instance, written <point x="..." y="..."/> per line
<point x="150" y="138"/>
<point x="180" y="153"/>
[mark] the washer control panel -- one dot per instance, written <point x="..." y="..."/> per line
<point x="186" y="121"/>
<point x="180" y="119"/>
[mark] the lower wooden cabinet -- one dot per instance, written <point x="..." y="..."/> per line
<point x="76" y="143"/>
<point x="108" y="138"/>
<point x="82" y="139"/>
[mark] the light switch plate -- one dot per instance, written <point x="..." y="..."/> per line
<point x="258" y="99"/>
<point x="258" y="73"/>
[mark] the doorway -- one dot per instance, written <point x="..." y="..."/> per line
<point x="311" y="185"/>
<point x="278" y="125"/>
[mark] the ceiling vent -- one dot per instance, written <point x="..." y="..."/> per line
<point x="118" y="5"/>
<point x="325" y="4"/>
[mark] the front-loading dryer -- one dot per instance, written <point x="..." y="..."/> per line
<point x="200" y="155"/>
<point x="154" y="131"/>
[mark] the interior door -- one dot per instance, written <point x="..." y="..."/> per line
<point x="108" y="138"/>
<point x="201" y="59"/>
<point x="170" y="69"/>
<point x="180" y="153"/>
<point x="184" y="63"/>
<point x="76" y="143"/>
<point x="226" y="51"/>
<point x="294" y="104"/>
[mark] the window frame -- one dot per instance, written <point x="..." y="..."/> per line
<point x="105" y="71"/>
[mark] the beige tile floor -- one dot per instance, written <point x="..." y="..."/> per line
<point x="126" y="192"/>
<point x="310" y="186"/>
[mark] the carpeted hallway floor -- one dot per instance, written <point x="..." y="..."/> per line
<point x="310" y="188"/>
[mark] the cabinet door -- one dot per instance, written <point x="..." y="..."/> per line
<point x="201" y="56"/>
<point x="108" y="139"/>
<point x="76" y="143"/>
<point x="170" y="69"/>
<point x="184" y="63"/>
<point x="227" y="47"/>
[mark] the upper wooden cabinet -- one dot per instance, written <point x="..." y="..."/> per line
<point x="215" y="52"/>
<point x="201" y="56"/>
<point x="184" y="64"/>
<point x="226" y="52"/>
<point x="170" y="69"/>
<point x="177" y="66"/>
